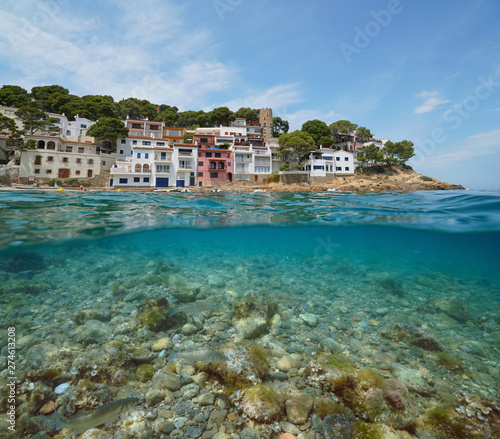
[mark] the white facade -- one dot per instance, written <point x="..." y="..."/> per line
<point x="55" y="158"/>
<point x="62" y="123"/>
<point x="231" y="135"/>
<point x="185" y="161"/>
<point x="243" y="163"/>
<point x="10" y="113"/>
<point x="77" y="129"/>
<point x="150" y="162"/>
<point x="329" y="163"/>
<point x="143" y="162"/>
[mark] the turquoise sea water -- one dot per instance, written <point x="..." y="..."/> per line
<point x="425" y="258"/>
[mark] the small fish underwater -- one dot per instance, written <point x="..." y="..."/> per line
<point x="105" y="414"/>
<point x="202" y="356"/>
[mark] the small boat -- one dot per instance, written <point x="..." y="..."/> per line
<point x="166" y="190"/>
<point x="23" y="186"/>
<point x="216" y="190"/>
<point x="332" y="189"/>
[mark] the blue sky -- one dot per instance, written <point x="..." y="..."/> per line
<point x="426" y="70"/>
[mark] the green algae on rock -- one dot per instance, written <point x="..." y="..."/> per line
<point x="144" y="372"/>
<point x="262" y="403"/>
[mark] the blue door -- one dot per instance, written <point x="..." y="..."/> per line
<point x="180" y="183"/>
<point x="191" y="181"/>
<point x="161" y="182"/>
<point x="111" y="182"/>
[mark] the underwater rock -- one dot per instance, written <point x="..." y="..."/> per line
<point x="377" y="431"/>
<point x="140" y="428"/>
<point x="83" y="315"/>
<point x="251" y="327"/>
<point x="246" y="363"/>
<point x="454" y="308"/>
<point x="262" y="403"/>
<point x="145" y="372"/>
<point x="38" y="354"/>
<point x="154" y="396"/>
<point x="93" y="332"/>
<point x="286" y="363"/>
<point x="309" y="319"/>
<point x="249" y="433"/>
<point x="298" y="408"/>
<point x="339" y="425"/>
<point x="392" y="286"/>
<point x="23" y="261"/>
<point x="189" y="391"/>
<point x="396" y="393"/>
<point x="40" y="423"/>
<point x="206" y="399"/>
<point x="161" y="344"/>
<point x="155" y="315"/>
<point x="139" y="354"/>
<point x="330" y="344"/>
<point x="94" y="433"/>
<point x="166" y="380"/>
<point x="47" y="408"/>
<point x="415" y="336"/>
<point x="189" y="329"/>
<point x="252" y="316"/>
<point x="416" y="380"/>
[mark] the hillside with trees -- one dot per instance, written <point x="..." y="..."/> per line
<point x="295" y="147"/>
<point x="57" y="99"/>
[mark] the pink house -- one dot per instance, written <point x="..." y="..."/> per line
<point x="214" y="166"/>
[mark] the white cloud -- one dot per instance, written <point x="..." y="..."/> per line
<point x="155" y="59"/>
<point x="432" y="100"/>
<point x="476" y="146"/>
<point x="277" y="97"/>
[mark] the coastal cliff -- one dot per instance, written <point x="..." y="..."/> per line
<point x="389" y="179"/>
<point x="378" y="179"/>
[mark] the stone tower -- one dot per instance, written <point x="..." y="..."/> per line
<point x="266" y="122"/>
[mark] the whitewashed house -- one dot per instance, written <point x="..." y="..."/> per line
<point x="326" y="164"/>
<point x="143" y="161"/>
<point x="57" y="158"/>
<point x="184" y="161"/>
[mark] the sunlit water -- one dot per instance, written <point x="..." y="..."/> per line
<point x="304" y="235"/>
